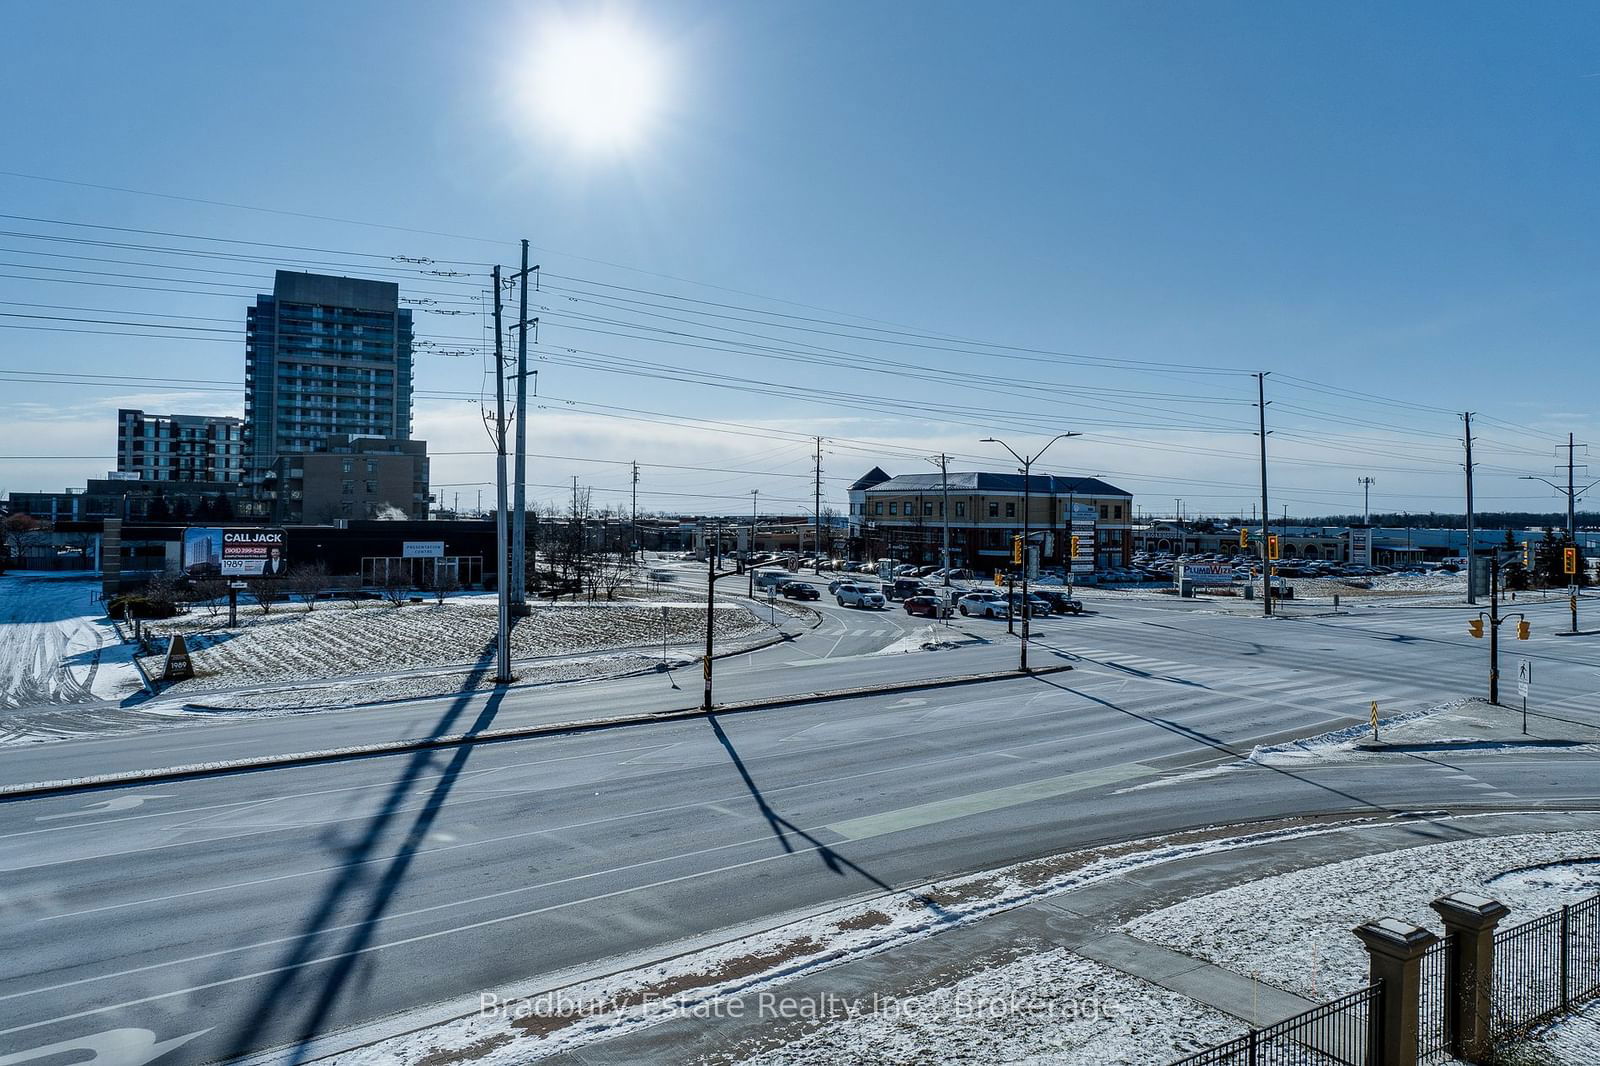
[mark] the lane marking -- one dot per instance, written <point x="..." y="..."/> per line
<point x="995" y="799"/>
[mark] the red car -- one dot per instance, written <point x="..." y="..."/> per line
<point x="928" y="607"/>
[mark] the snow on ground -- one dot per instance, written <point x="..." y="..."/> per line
<point x="692" y="979"/>
<point x="56" y="646"/>
<point x="305" y="697"/>
<point x="1051" y="1007"/>
<point x="1293" y="929"/>
<point x="1573" y="1040"/>
<point x="1460" y="723"/>
<point x="372" y="639"/>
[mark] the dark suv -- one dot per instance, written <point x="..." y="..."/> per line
<point x="1060" y="602"/>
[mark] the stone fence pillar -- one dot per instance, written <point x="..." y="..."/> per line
<point x="1470" y="921"/>
<point x="1395" y="949"/>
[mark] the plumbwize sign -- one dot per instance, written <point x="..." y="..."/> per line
<point x="1205" y="574"/>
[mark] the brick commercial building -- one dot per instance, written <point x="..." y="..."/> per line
<point x="904" y="517"/>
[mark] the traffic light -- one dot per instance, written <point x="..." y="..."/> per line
<point x="1244" y="538"/>
<point x="1475" y="627"/>
<point x="1074" y="546"/>
<point x="1527" y="556"/>
<point x="999" y="578"/>
<point x="1016" y="551"/>
<point x="1569" y="560"/>
<point x="1272" y="545"/>
<point x="1522" y="629"/>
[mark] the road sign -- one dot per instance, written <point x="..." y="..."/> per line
<point x="1524" y="677"/>
<point x="1374" y="719"/>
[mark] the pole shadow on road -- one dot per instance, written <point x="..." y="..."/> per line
<point x="1218" y="745"/>
<point x="296" y="988"/>
<point x="783" y="828"/>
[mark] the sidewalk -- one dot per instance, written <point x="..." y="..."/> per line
<point x="1085" y="921"/>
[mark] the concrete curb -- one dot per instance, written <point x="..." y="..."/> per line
<point x="37" y="789"/>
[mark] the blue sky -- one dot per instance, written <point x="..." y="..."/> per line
<point x="1390" y="207"/>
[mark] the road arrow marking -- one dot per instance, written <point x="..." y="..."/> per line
<point x="114" y="1047"/>
<point x="120" y="803"/>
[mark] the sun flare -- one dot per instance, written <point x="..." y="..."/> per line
<point x="597" y="83"/>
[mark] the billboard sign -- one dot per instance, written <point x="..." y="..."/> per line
<point x="422" y="549"/>
<point x="211" y="552"/>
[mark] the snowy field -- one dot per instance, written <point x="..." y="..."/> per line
<point x="1046" y="1005"/>
<point x="1293" y="930"/>
<point x="1049" y="1008"/>
<point x="55" y="644"/>
<point x="375" y="641"/>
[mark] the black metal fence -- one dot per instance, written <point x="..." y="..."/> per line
<point x="1433" y="1012"/>
<point x="1340" y="1032"/>
<point x="1544" y="966"/>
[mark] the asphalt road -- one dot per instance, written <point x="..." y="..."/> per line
<point x="241" y="912"/>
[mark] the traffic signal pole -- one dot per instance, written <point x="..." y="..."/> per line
<point x="1494" y="630"/>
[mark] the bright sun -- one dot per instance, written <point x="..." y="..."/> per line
<point x="599" y="83"/>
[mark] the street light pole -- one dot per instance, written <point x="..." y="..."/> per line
<point x="1027" y="498"/>
<point x="754" y="495"/>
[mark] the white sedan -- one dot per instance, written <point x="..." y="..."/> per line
<point x="860" y="596"/>
<point x="984" y="604"/>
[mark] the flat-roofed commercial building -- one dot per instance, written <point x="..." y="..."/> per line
<point x="904" y="518"/>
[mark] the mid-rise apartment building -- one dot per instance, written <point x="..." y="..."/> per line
<point x="180" y="447"/>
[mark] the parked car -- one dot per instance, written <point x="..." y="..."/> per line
<point x="904" y="587"/>
<point x="799" y="590"/>
<point x="928" y="606"/>
<point x="854" y="595"/>
<point x="1060" y="602"/>
<point x="1037" y="607"/>
<point x="984" y="603"/>
<point x="772" y="578"/>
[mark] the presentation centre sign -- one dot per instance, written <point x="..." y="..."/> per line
<point x="212" y="552"/>
<point x="422" y="549"/>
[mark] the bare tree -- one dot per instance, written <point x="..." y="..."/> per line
<point x="395" y="587"/>
<point x="609" y="573"/>
<point x="266" y="591"/>
<point x="22" y="532"/>
<point x="211" y="591"/>
<point x="442" y="582"/>
<point x="306" y="580"/>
